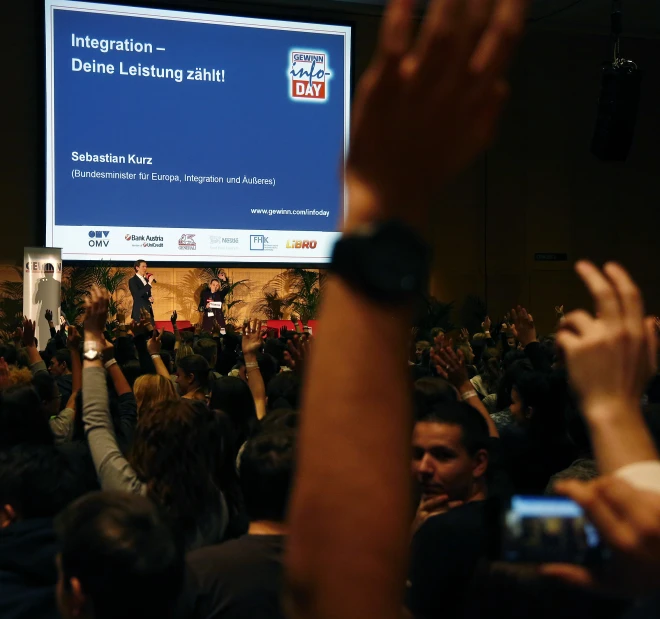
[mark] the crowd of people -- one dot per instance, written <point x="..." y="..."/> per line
<point x="366" y="472"/>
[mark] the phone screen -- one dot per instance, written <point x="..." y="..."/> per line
<point x="549" y="530"/>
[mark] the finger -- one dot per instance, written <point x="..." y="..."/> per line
<point x="434" y="502"/>
<point x="628" y="293"/>
<point x="579" y="322"/>
<point x="396" y="29"/>
<point x="609" y="523"/>
<point x="454" y="504"/>
<point x="494" y="50"/>
<point x="601" y="289"/>
<point x="573" y="574"/>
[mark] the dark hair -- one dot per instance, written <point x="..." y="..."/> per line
<point x="233" y="397"/>
<point x="474" y="429"/>
<point x="535" y="391"/>
<point x="432" y="390"/>
<point x="275" y="348"/>
<point x="278" y="420"/>
<point x="128" y="560"/>
<point x="132" y="370"/>
<point x="167" y="360"/>
<point x="266" y="474"/>
<point x="45" y="385"/>
<point x="207" y="348"/>
<point x="8" y="352"/>
<point x="198" y="366"/>
<point x="137" y="264"/>
<point x="37" y="481"/>
<point x="167" y="341"/>
<point x="124" y="350"/>
<point x="283" y="391"/>
<point x="177" y="450"/>
<point x="23" y="418"/>
<point x="63" y="355"/>
<point x="214" y="279"/>
<point x="508" y="380"/>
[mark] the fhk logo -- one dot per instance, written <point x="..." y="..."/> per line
<point x="98" y="238"/>
<point x="187" y="242"/>
<point x="301" y="244"/>
<point x="309" y="76"/>
<point x="258" y="242"/>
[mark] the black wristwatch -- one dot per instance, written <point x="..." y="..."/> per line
<point x="388" y="262"/>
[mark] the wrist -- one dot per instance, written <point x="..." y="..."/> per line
<point x="249" y="357"/>
<point x="610" y="411"/>
<point x="465" y="386"/>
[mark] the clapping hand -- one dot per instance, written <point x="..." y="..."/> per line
<point x="450" y="365"/>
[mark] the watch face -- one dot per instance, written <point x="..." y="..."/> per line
<point x="92" y="355"/>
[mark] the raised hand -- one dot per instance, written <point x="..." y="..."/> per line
<point x="283" y="332"/>
<point x="612" y="356"/>
<point x="559" y="310"/>
<point x="432" y="506"/>
<point x="450" y="365"/>
<point x="425" y="100"/>
<point x="96" y="312"/>
<point x="153" y="343"/>
<point x="523" y="328"/>
<point x="251" y="341"/>
<point x="486" y="324"/>
<point x="27" y="333"/>
<point x="74" y="339"/>
<point x="465" y="335"/>
<point x="49" y="316"/>
<point x="173" y="318"/>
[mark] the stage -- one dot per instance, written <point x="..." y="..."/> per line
<point x="186" y="325"/>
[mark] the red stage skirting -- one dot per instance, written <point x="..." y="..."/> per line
<point x="166" y="325"/>
<point x="186" y="325"/>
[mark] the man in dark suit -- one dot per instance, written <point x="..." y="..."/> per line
<point x="140" y="291"/>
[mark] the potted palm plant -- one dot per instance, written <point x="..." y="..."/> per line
<point x="304" y="289"/>
<point x="271" y="305"/>
<point x="11" y="306"/>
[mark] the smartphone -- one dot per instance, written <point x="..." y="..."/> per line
<point x="538" y="529"/>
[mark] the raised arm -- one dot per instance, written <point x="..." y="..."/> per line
<point x="153" y="347"/>
<point x="251" y="343"/>
<point x="610" y="360"/>
<point x="418" y="121"/>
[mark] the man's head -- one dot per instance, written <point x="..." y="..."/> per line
<point x="266" y="474"/>
<point x="450" y="452"/>
<point x="420" y="347"/>
<point x="141" y="267"/>
<point x="36" y="481"/>
<point x="60" y="364"/>
<point x="119" y="558"/>
<point x="215" y="284"/>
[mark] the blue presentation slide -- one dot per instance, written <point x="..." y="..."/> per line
<point x="191" y="127"/>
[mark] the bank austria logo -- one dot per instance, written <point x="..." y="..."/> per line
<point x="144" y="240"/>
<point x="301" y="244"/>
<point x="309" y="76"/>
<point x="99" y="238"/>
<point x="187" y="242"/>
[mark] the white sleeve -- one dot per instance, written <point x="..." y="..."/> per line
<point x="642" y="475"/>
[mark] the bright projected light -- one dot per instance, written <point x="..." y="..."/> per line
<point x="181" y="136"/>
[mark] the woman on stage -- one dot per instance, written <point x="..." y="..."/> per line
<point x="217" y="291"/>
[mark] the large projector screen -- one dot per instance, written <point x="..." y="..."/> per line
<point x="181" y="136"/>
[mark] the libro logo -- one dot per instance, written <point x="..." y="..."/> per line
<point x="309" y="76"/>
<point x="301" y="244"/>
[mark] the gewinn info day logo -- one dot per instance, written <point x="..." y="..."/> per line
<point x="309" y="76"/>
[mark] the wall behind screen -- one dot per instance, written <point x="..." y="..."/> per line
<point x="539" y="191"/>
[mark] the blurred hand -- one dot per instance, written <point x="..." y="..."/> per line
<point x="486" y="324"/>
<point x="628" y="520"/>
<point x="27" y="334"/>
<point x="151" y="299"/>
<point x="251" y="340"/>
<point x="73" y="340"/>
<point x="610" y="357"/>
<point x="174" y="317"/>
<point x="559" y="310"/>
<point x="450" y="365"/>
<point x="432" y="506"/>
<point x="425" y="100"/>
<point x="523" y="328"/>
<point x="49" y="316"/>
<point x="96" y="313"/>
<point x="153" y="343"/>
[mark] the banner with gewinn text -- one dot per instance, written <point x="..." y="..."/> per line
<point x="42" y="278"/>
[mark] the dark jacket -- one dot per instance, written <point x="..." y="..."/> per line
<point x="140" y="293"/>
<point x="27" y="570"/>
